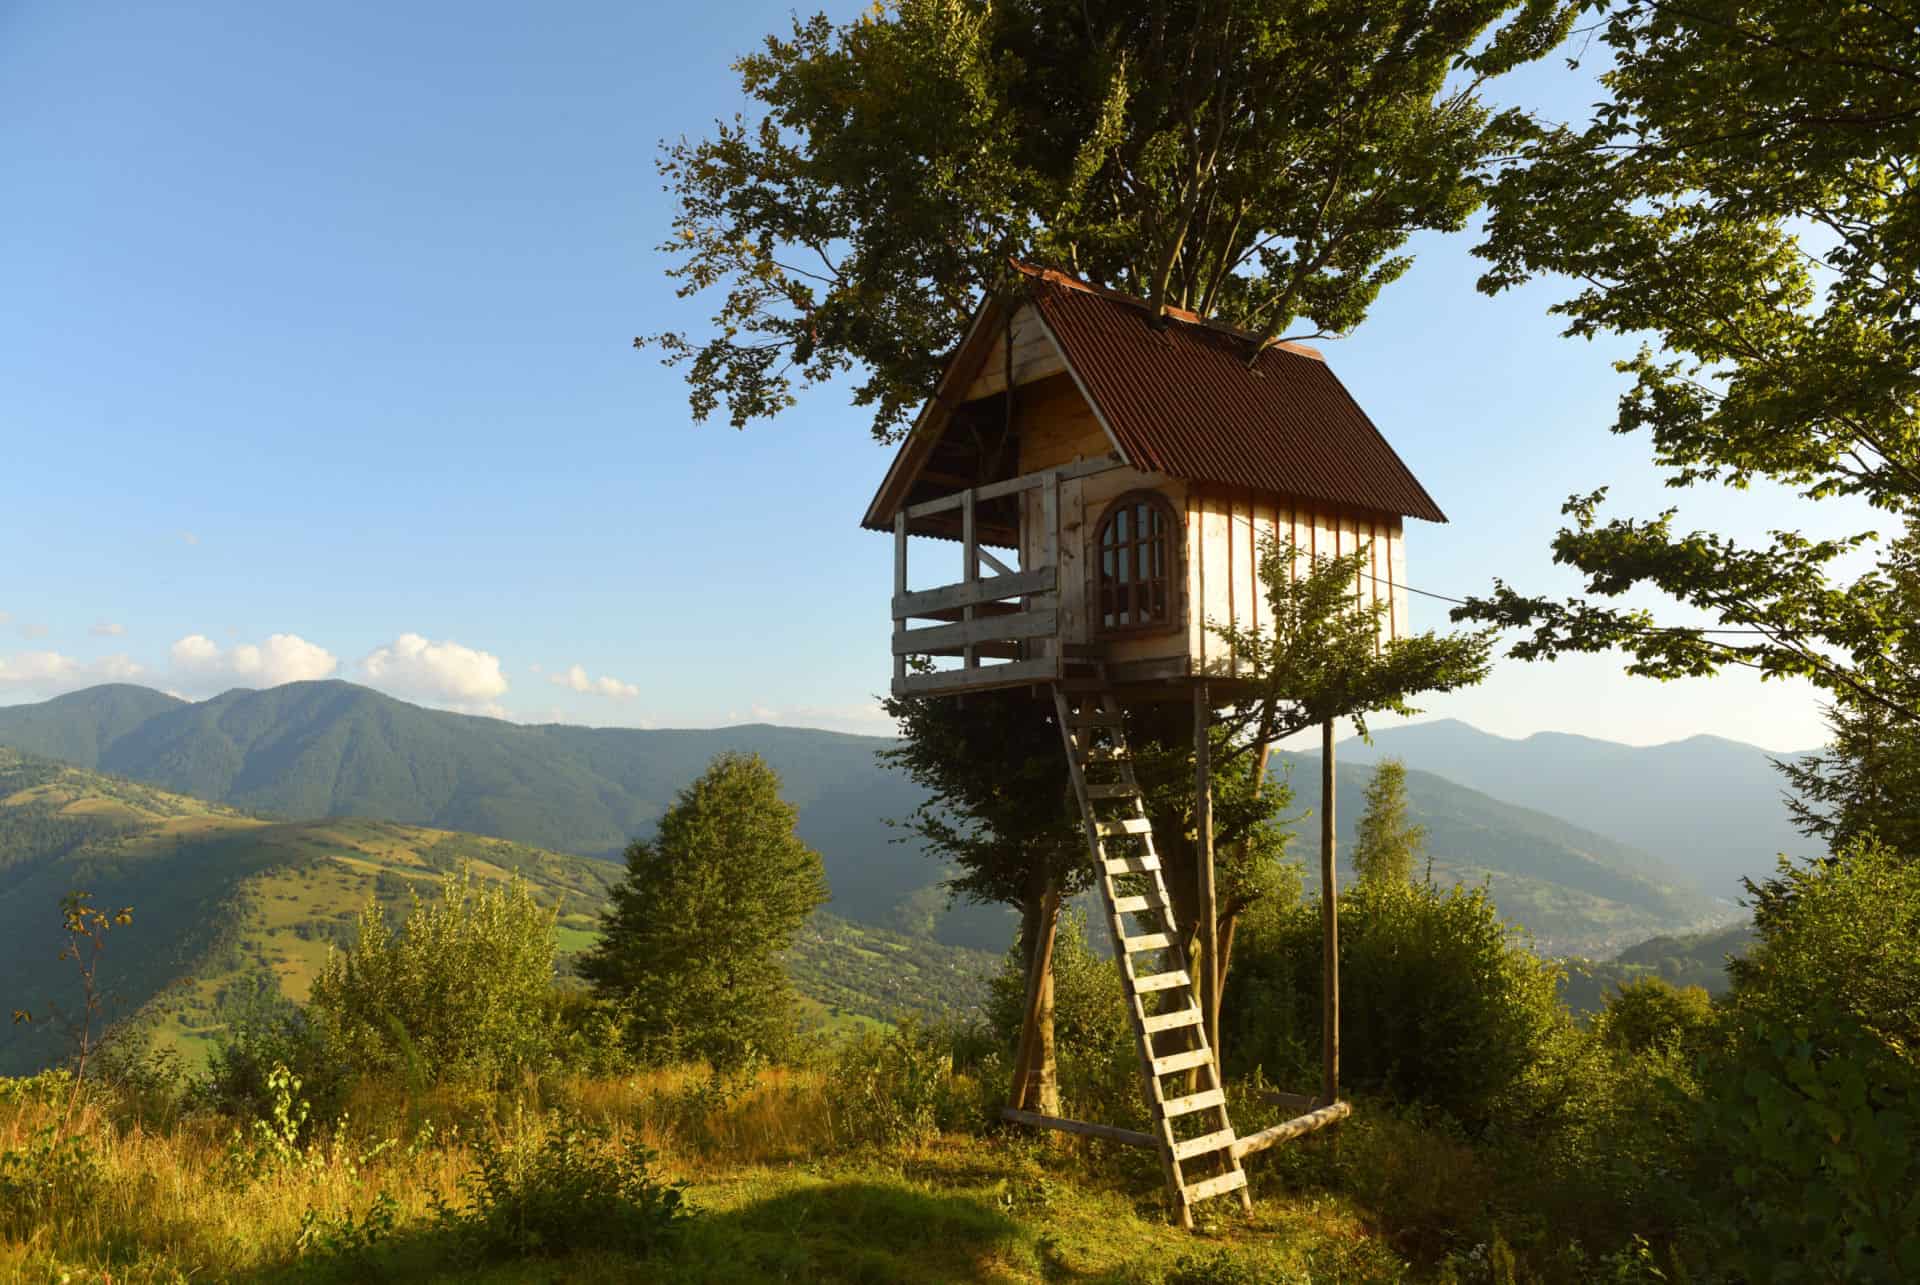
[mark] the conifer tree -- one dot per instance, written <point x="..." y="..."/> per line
<point x="693" y="937"/>
<point x="1387" y="843"/>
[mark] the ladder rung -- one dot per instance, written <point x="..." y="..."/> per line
<point x="1201" y="1146"/>
<point x="1182" y="1061"/>
<point x="1117" y="790"/>
<point x="1132" y="865"/>
<point x="1136" y="905"/>
<point x="1193" y="1102"/>
<point x="1150" y="941"/>
<point x="1161" y="981"/>
<point x="1232" y="1180"/>
<point x="1157" y="1022"/>
<point x="1125" y="825"/>
<point x="1093" y="718"/>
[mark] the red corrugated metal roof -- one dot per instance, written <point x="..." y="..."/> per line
<point x="1181" y="400"/>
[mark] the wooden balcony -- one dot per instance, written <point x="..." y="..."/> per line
<point x="994" y="612"/>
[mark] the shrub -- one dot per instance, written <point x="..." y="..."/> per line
<point x="51" y="1175"/>
<point x="898" y="1087"/>
<point x="457" y="994"/>
<point x="1651" y="1012"/>
<point x="269" y="1034"/>
<point x="577" y="1189"/>
<point x="1093" y="1041"/>
<point x="1438" y="1004"/>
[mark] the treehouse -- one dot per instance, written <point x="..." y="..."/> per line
<point x="1112" y="478"/>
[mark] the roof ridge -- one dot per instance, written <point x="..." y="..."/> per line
<point x="1053" y="276"/>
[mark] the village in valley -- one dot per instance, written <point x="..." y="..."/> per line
<point x="1392" y="753"/>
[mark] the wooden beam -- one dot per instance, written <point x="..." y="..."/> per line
<point x="1288" y="1130"/>
<point x="992" y="589"/>
<point x="1302" y="1102"/>
<point x="1017" y="673"/>
<point x="899" y="581"/>
<point x="998" y="628"/>
<point x="1081" y="1127"/>
<point x="1015" y="485"/>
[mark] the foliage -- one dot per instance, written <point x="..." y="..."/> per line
<point x="1696" y="960"/>
<point x="85" y="927"/>
<point x="1743" y="196"/>
<point x="1389" y="844"/>
<point x="1438" y="1005"/>
<point x="694" y="933"/>
<point x="898" y="1088"/>
<point x="1814" y="1109"/>
<point x="998" y="807"/>
<point x="1320" y="658"/>
<point x="579" y="1188"/>
<point x="56" y="1171"/>
<point x="453" y="995"/>
<point x="1651" y="1012"/>
<point x="859" y="969"/>
<point x="263" y="1036"/>
<point x="1099" y="1067"/>
<point x="1259" y="163"/>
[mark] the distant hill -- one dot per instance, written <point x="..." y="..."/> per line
<point x="229" y="907"/>
<point x="1578" y="892"/>
<point x="1706" y="805"/>
<point x="333" y="749"/>
<point x="1698" y="959"/>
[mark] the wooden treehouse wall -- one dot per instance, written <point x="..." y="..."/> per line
<point x="1225" y="530"/>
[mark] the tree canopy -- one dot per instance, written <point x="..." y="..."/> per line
<point x="694" y="933"/>
<point x="1744" y="197"/>
<point x="1260" y="162"/>
<point x="1388" y="842"/>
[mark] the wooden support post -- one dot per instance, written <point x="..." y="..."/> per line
<point x="1290" y="1129"/>
<point x="1206" y="911"/>
<point x="1039" y="1120"/>
<point x="1330" y="929"/>
<point x="899" y="584"/>
<point x="1036" y="1081"/>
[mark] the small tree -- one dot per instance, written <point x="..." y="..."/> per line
<point x="693" y="937"/>
<point x="1387" y="844"/>
<point x="86" y="927"/>
<point x="456" y="993"/>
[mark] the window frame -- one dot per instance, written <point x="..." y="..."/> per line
<point x="1174" y="542"/>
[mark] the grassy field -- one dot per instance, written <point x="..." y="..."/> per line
<point x="781" y="1182"/>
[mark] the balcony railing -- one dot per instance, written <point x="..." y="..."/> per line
<point x="993" y="612"/>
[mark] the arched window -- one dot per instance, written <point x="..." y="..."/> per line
<point x="1139" y="546"/>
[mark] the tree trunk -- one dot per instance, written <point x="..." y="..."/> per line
<point x="1228" y="922"/>
<point x="1036" y="1080"/>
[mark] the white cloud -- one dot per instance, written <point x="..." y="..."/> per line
<point x="188" y="537"/>
<point x="34" y="631"/>
<point x="107" y="629"/>
<point x="575" y="678"/>
<point x="416" y="667"/>
<point x="48" y="673"/>
<point x="282" y="658"/>
<point x="868" y="718"/>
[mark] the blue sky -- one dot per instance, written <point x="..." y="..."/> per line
<point x="316" y="361"/>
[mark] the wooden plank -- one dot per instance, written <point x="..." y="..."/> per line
<point x="1000" y="628"/>
<point x="1206" y="1144"/>
<point x="1081" y="1127"/>
<point x="999" y="568"/>
<point x="1186" y="1061"/>
<point x="1290" y="1129"/>
<point x="1117" y="790"/>
<point x="991" y="589"/>
<point x="1154" y="1023"/>
<point x="1162" y="981"/>
<point x="1128" y="865"/>
<point x="899" y="581"/>
<point x="1013" y="485"/>
<point x="1173" y="1107"/>
<point x="1233" y="1180"/>
<point x="1206" y="909"/>
<point x="1148" y="941"/>
<point x="989" y="650"/>
<point x="1329" y="929"/>
<point x="1137" y="905"/>
<point x="1019" y="673"/>
<point x="1125" y="825"/>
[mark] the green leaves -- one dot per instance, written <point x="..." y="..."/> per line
<point x="694" y="933"/>
<point x="1261" y="162"/>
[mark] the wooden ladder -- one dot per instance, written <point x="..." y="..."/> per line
<point x="1191" y="1129"/>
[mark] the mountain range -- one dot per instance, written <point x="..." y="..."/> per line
<point x="332" y="749"/>
<point x="1708" y="805"/>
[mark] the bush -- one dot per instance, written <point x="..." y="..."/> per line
<point x="1808" y="1131"/>
<point x="898" y="1088"/>
<point x="578" y="1189"/>
<point x="1651" y="1012"/>
<point x="1093" y="1040"/>
<point x="270" y="1034"/>
<point x="1438" y="1004"/>
<point x="458" y="994"/>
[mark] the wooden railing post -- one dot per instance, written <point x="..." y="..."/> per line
<point x="899" y="585"/>
<point x="970" y="553"/>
